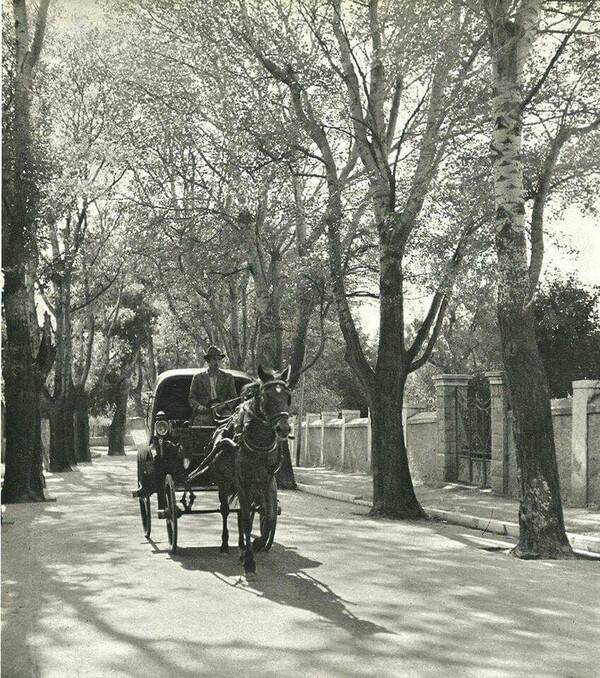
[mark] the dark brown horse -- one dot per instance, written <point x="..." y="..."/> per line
<point x="245" y="456"/>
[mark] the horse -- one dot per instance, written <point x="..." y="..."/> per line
<point x="245" y="456"/>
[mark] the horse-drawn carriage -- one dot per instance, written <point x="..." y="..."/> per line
<point x="236" y="458"/>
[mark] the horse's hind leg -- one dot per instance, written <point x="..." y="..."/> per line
<point x="224" y="508"/>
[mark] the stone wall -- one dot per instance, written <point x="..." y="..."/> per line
<point x="342" y="441"/>
<point x="421" y="442"/>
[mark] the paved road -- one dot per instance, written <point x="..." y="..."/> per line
<point x="339" y="595"/>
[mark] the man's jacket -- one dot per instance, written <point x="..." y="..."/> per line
<point x="200" y="396"/>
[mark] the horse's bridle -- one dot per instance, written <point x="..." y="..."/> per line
<point x="271" y="421"/>
<point x="257" y="412"/>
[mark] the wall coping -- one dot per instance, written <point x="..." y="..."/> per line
<point x="591" y="384"/>
<point x="496" y="377"/>
<point x="355" y="423"/>
<point x="452" y="379"/>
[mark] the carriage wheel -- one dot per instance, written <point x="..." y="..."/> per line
<point x="171" y="512"/>
<point x="268" y="519"/>
<point x="146" y="515"/>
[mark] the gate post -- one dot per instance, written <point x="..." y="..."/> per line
<point x="448" y="388"/>
<point x="583" y="392"/>
<point x="499" y="412"/>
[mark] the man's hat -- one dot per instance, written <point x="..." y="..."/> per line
<point x="214" y="352"/>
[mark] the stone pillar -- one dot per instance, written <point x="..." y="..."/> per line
<point x="499" y="413"/>
<point x="347" y="415"/>
<point x="447" y="387"/>
<point x="583" y="393"/>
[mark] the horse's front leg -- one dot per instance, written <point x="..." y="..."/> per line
<point x="246" y="554"/>
<point x="224" y="508"/>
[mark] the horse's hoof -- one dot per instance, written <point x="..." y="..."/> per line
<point x="250" y="575"/>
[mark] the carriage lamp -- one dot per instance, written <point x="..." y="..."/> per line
<point x="161" y="427"/>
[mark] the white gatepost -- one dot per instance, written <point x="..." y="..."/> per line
<point x="583" y="392"/>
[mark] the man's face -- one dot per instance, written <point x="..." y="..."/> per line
<point x="214" y="362"/>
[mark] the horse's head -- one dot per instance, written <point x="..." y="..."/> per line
<point x="274" y="399"/>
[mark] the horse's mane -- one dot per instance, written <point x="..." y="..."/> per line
<point x="250" y="390"/>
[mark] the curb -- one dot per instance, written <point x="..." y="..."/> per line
<point x="579" y="542"/>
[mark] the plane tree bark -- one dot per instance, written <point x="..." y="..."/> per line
<point x="542" y="531"/>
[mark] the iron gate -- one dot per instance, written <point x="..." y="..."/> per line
<point x="474" y="435"/>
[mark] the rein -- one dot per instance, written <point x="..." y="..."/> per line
<point x="252" y="446"/>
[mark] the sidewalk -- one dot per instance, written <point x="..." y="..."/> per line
<point x="461" y="504"/>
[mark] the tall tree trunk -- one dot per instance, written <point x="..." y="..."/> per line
<point x="23" y="480"/>
<point x="62" y="451"/>
<point x="152" y="370"/>
<point x="81" y="424"/>
<point x="62" y="437"/>
<point x="136" y="390"/>
<point x="393" y="490"/>
<point x="22" y="377"/>
<point x="118" y="425"/>
<point x="285" y="476"/>
<point x="234" y="348"/>
<point x="306" y="299"/>
<point x="542" y="531"/>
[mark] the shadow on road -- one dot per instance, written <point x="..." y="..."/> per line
<point x="85" y="594"/>
<point x="282" y="579"/>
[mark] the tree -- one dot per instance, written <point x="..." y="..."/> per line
<point x="542" y="533"/>
<point x="350" y="99"/>
<point x="129" y="325"/>
<point x="25" y="357"/>
<point x="568" y="331"/>
<point x="77" y="111"/>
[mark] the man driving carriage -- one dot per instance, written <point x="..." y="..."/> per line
<point x="211" y="389"/>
